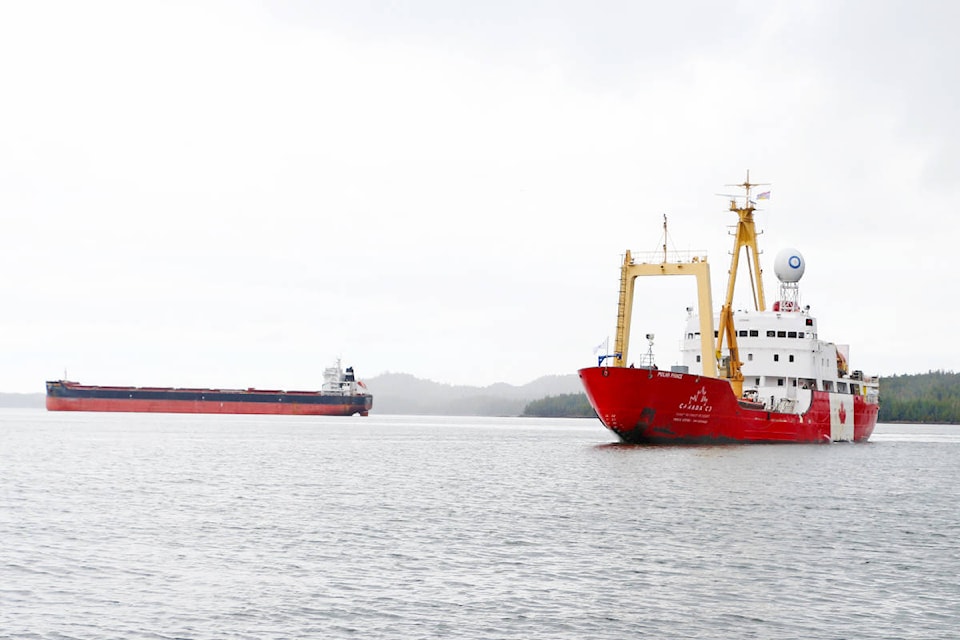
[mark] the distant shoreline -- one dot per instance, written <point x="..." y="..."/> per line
<point x="22" y="400"/>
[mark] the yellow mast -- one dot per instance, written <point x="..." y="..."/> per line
<point x="745" y="237"/>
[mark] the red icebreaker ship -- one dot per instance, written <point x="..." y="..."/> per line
<point x="761" y="376"/>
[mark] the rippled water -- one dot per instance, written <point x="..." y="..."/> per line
<point x="164" y="526"/>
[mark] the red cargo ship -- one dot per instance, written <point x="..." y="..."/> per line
<point x="791" y="385"/>
<point x="341" y="395"/>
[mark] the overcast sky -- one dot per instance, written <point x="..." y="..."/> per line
<point x="232" y="193"/>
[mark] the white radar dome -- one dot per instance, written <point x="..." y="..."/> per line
<point x="789" y="265"/>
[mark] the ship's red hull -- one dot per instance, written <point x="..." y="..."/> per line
<point x="664" y="407"/>
<point x="63" y="395"/>
<point x="197" y="406"/>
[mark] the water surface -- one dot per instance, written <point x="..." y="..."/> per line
<point x="169" y="526"/>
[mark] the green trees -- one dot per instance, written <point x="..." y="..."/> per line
<point x="568" y="405"/>
<point x="923" y="397"/>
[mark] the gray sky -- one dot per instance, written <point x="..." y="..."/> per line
<point x="234" y="193"/>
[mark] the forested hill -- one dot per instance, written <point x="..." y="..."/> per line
<point x="921" y="397"/>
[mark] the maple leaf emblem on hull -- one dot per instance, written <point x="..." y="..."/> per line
<point x="842" y="414"/>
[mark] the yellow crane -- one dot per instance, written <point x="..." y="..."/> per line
<point x="695" y="265"/>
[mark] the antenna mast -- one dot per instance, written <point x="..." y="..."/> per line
<point x="744" y="238"/>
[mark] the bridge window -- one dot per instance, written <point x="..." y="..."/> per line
<point x="749" y="357"/>
<point x="779" y="380"/>
<point x="776" y="357"/>
<point x="754" y="333"/>
<point x="791" y="357"/>
<point x="698" y="358"/>
<point x="791" y="334"/>
<point x="780" y="334"/>
<point x="742" y="333"/>
<point x="771" y="334"/>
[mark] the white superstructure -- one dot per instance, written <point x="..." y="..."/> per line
<point x="782" y="356"/>
<point x="336" y="381"/>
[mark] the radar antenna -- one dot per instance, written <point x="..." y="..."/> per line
<point x="746" y="185"/>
